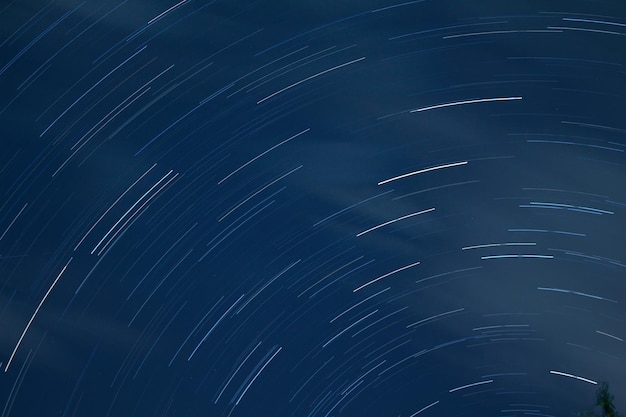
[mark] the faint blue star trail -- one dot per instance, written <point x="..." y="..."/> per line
<point x="311" y="209"/>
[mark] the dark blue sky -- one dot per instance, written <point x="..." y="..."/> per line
<point x="272" y="208"/>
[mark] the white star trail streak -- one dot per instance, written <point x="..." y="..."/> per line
<point x="580" y="378"/>
<point x="394" y="221"/>
<point x="193" y="352"/>
<point x="425" y="408"/>
<point x="463" y="102"/>
<point x="32" y="318"/>
<point x="261" y="154"/>
<point x="257" y="375"/>
<point x="471" y="385"/>
<point x="309" y="78"/>
<point x="421" y="171"/>
<point x="385" y="276"/>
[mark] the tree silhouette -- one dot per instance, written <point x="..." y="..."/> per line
<point x="604" y="400"/>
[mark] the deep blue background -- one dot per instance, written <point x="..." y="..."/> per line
<point x="197" y="175"/>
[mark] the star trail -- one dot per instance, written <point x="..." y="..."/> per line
<point x="311" y="209"/>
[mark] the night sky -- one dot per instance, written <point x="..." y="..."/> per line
<point x="312" y="208"/>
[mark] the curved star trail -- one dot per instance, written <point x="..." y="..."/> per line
<point x="370" y="208"/>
